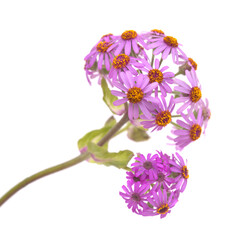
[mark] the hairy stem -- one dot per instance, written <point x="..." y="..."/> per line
<point x="64" y="165"/>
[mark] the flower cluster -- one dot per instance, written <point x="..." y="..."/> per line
<point x="155" y="183"/>
<point x="141" y="73"/>
<point x="148" y="86"/>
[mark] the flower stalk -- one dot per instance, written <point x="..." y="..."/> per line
<point x="64" y="165"/>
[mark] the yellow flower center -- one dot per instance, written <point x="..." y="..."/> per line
<point x="163" y="209"/>
<point x="195" y="94"/>
<point x="157" y="31"/>
<point x="103" y="46"/>
<point x="195" y="132"/>
<point x="135" y="95"/>
<point x="155" y="76"/>
<point x="130" y="34"/>
<point x="185" y="172"/>
<point x="193" y="63"/>
<point x="163" y="118"/>
<point x="121" y="61"/>
<point x="170" y="41"/>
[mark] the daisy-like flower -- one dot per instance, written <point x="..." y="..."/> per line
<point x="161" y="115"/>
<point x="137" y="91"/>
<point x="179" y="166"/>
<point x="146" y="166"/>
<point x="135" y="196"/>
<point x="161" y="203"/>
<point x="191" y="131"/>
<point x="127" y="41"/>
<point x="108" y="37"/>
<point x="131" y="176"/>
<point x="167" y="45"/>
<point x="206" y="113"/>
<point x="159" y="76"/>
<point x="153" y="36"/>
<point x="123" y="62"/>
<point x="191" y="95"/>
<point x="100" y="55"/>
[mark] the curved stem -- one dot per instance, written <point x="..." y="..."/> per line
<point x="64" y="165"/>
<point x="41" y="174"/>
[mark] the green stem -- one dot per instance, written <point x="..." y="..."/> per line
<point x="173" y="116"/>
<point x="152" y="60"/>
<point x="178" y="73"/>
<point x="41" y="174"/>
<point x="64" y="165"/>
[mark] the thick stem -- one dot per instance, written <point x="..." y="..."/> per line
<point x="64" y="165"/>
<point x="112" y="131"/>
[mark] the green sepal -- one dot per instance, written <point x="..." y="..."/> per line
<point x="137" y="134"/>
<point x="108" y="98"/>
<point x="102" y="156"/>
<point x="96" y="135"/>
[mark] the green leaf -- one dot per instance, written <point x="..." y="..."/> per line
<point x="96" y="135"/>
<point x="137" y="134"/>
<point x="108" y="98"/>
<point x="102" y="156"/>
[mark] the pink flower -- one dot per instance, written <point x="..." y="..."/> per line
<point x="190" y="95"/>
<point x="161" y="115"/>
<point x="167" y="45"/>
<point x="135" y="90"/>
<point x="122" y="62"/>
<point x="99" y="55"/>
<point x="159" y="76"/>
<point x="127" y="41"/>
<point x="179" y="166"/>
<point x="191" y="130"/>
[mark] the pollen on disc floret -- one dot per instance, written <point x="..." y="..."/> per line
<point x="121" y="61"/>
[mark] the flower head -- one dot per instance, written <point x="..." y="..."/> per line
<point x="160" y="76"/>
<point x="146" y="166"/>
<point x="135" y="195"/>
<point x="190" y="132"/>
<point x="122" y="62"/>
<point x="167" y="45"/>
<point x="100" y="55"/>
<point x="128" y="41"/>
<point x="161" y="203"/>
<point x="161" y="115"/>
<point x="190" y="95"/>
<point x="135" y="90"/>
<point x="179" y="166"/>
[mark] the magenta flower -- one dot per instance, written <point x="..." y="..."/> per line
<point x="190" y="95"/>
<point x="100" y="55"/>
<point x="146" y="166"/>
<point x="179" y="166"/>
<point x="127" y="41"/>
<point x="135" y="196"/>
<point x="159" y="76"/>
<point x="167" y="45"/>
<point x="153" y="36"/>
<point x="135" y="90"/>
<point x="161" y="115"/>
<point x="191" y="131"/>
<point x="161" y="203"/>
<point x="122" y="62"/>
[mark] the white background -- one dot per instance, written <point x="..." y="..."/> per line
<point x="46" y="105"/>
